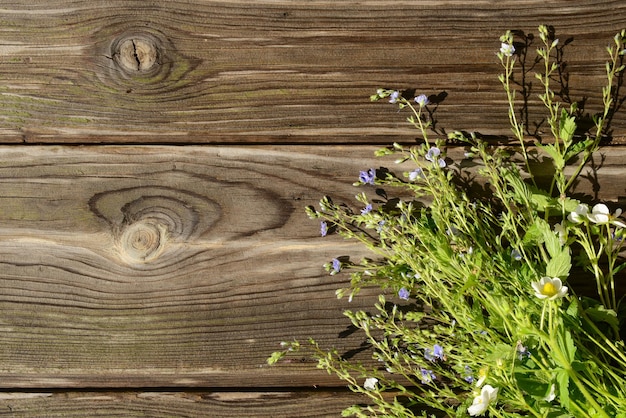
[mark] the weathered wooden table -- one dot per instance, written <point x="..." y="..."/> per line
<point x="156" y="160"/>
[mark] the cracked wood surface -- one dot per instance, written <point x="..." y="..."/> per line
<point x="277" y="71"/>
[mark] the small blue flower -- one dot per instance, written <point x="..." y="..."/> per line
<point x="435" y="354"/>
<point x="522" y="352"/>
<point x="418" y="173"/>
<point x="368" y="177"/>
<point x="404" y="294"/>
<point x="336" y="265"/>
<point x="380" y="226"/>
<point x="367" y="209"/>
<point x="393" y="97"/>
<point x="438" y="351"/>
<point x="516" y="255"/>
<point x="433" y="156"/>
<point x="467" y="376"/>
<point x="427" y="375"/>
<point x="323" y="228"/>
<point x="422" y="100"/>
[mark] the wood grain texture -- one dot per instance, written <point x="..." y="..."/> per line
<point x="275" y="71"/>
<point x="169" y="404"/>
<point x="164" y="266"/>
<point x="178" y="266"/>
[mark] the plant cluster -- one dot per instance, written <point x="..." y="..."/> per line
<point x="476" y="315"/>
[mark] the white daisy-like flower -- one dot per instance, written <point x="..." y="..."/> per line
<point x="549" y="288"/>
<point x="580" y="214"/>
<point x="481" y="403"/>
<point x="600" y="214"/>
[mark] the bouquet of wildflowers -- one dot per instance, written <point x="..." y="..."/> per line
<point x="475" y="314"/>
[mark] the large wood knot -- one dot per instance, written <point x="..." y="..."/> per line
<point x="142" y="241"/>
<point x="151" y="225"/>
<point x="143" y="62"/>
<point x="137" y="54"/>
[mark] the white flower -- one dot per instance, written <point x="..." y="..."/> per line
<point x="507" y="49"/>
<point x="600" y="214"/>
<point x="481" y="403"/>
<point x="370" y="383"/>
<point x="580" y="214"/>
<point x="549" y="288"/>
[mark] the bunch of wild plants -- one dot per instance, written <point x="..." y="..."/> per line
<point x="475" y="314"/>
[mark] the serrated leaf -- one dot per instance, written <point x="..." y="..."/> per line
<point x="559" y="265"/>
<point x="570" y="205"/>
<point x="567" y="127"/>
<point x="557" y="158"/>
<point x="533" y="235"/>
<point x="542" y="201"/>
<point x="547" y="237"/>
<point x="570" y="347"/>
<point x="563" y="382"/>
<point x="576" y="148"/>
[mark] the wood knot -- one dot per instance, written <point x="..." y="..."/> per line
<point x="137" y="53"/>
<point x="142" y="241"/>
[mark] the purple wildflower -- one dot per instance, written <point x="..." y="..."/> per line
<point x="467" y="376"/>
<point x="516" y="255"/>
<point x="427" y="375"/>
<point x="418" y="173"/>
<point x="393" y="97"/>
<point x="404" y="294"/>
<point x="435" y="354"/>
<point x="323" y="228"/>
<point x="422" y="100"/>
<point x="367" y="209"/>
<point x="336" y="265"/>
<point x="522" y="351"/>
<point x="368" y="177"/>
<point x="433" y="156"/>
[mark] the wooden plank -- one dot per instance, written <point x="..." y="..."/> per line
<point x="179" y="404"/>
<point x="275" y="71"/>
<point x="177" y="266"/>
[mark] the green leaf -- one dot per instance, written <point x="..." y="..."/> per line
<point x="563" y="382"/>
<point x="567" y="127"/>
<point x="601" y="314"/>
<point x="275" y="357"/>
<point x="559" y="265"/>
<point x="531" y="386"/>
<point x="542" y="201"/>
<point x="557" y="158"/>
<point x="570" y="204"/>
<point x="576" y="148"/>
<point x="540" y="232"/>
<point x="533" y="235"/>
<point x="570" y="348"/>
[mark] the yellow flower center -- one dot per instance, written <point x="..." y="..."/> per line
<point x="549" y="289"/>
